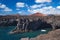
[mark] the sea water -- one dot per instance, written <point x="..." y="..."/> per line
<point x="4" y="33"/>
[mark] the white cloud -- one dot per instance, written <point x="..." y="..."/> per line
<point x="17" y="9"/>
<point x="7" y="9"/>
<point x="21" y="13"/>
<point x="49" y="7"/>
<point x="19" y="4"/>
<point x="45" y="10"/>
<point x="2" y="6"/>
<point x="37" y="6"/>
<point x="58" y="7"/>
<point x="40" y="9"/>
<point x="34" y="11"/>
<point x="42" y="1"/>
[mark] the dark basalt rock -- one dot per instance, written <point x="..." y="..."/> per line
<point x="28" y="23"/>
<point x="8" y="23"/>
<point x="37" y="25"/>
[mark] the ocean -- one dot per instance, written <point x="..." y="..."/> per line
<point x="4" y="33"/>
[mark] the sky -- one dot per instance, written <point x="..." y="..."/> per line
<point x="26" y="7"/>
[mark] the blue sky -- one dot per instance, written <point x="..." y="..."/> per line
<point x="26" y="7"/>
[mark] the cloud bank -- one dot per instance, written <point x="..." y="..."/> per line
<point x="19" y="4"/>
<point x="42" y="1"/>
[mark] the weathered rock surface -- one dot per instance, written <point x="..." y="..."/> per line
<point x="8" y="23"/>
<point x="29" y="23"/>
<point x="53" y="35"/>
<point x="26" y="26"/>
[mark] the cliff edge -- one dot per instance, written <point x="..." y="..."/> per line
<point x="53" y="35"/>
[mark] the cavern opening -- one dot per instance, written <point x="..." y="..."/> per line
<point x="39" y="24"/>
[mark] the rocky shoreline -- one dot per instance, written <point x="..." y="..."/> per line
<point x="30" y="23"/>
<point x="52" y="35"/>
<point x="34" y="25"/>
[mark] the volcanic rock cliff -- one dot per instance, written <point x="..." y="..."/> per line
<point x="30" y="23"/>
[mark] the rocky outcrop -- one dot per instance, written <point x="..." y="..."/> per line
<point x="30" y="23"/>
<point x="8" y="23"/>
<point x="25" y="25"/>
<point x="38" y="24"/>
<point x="53" y="35"/>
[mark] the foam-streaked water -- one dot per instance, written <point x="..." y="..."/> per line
<point x="4" y="33"/>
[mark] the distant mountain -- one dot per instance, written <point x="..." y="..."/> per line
<point x="38" y="14"/>
<point x="53" y="15"/>
<point x="50" y="15"/>
<point x="11" y="15"/>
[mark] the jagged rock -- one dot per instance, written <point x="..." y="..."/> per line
<point x="38" y="24"/>
<point x="8" y="23"/>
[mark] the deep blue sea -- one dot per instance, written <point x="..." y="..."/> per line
<point x="4" y="33"/>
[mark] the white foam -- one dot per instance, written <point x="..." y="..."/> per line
<point x="43" y="30"/>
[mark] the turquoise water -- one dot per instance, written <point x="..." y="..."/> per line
<point x="4" y="33"/>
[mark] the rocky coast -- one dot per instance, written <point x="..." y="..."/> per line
<point x="52" y="35"/>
